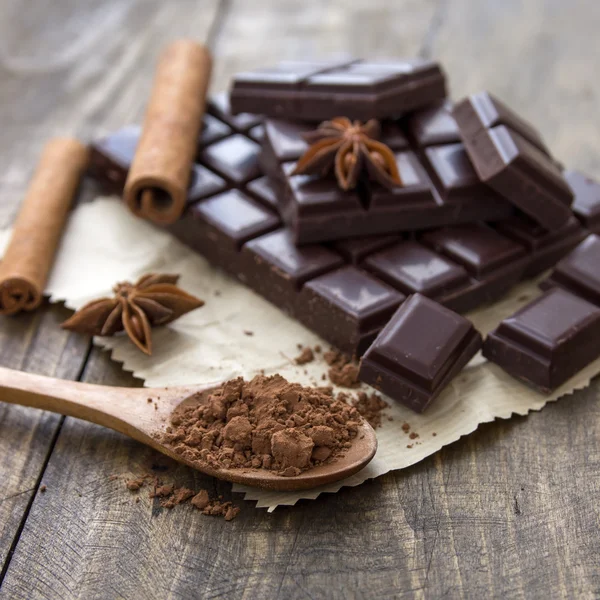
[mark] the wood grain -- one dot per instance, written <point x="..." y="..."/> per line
<point x="32" y="342"/>
<point x="508" y="512"/>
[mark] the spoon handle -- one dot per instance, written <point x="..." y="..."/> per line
<point x="126" y="410"/>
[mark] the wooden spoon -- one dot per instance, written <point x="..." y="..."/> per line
<point x="130" y="411"/>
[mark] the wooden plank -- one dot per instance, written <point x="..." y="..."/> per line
<point x="507" y="512"/>
<point x="33" y="343"/>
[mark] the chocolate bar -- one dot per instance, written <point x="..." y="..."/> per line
<point x="421" y="349"/>
<point x="586" y="205"/>
<point x="357" y="89"/>
<point x="511" y="158"/>
<point x="579" y="272"/>
<point x="346" y="290"/>
<point x="440" y="187"/>
<point x="548" y="341"/>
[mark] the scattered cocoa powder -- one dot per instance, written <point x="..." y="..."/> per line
<point x="343" y="370"/>
<point x="134" y="485"/>
<point x="178" y="496"/>
<point x="265" y="423"/>
<point x="172" y="496"/>
<point x="369" y="406"/>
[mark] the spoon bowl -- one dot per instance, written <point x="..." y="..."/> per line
<point x="145" y="413"/>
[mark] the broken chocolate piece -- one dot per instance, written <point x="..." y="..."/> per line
<point x="421" y="349"/>
<point x="547" y="341"/>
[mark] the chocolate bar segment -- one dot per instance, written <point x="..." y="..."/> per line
<point x="357" y="89"/>
<point x="586" y="205"/>
<point x="316" y="209"/>
<point x="510" y="157"/>
<point x="548" y="341"/>
<point x="579" y="272"/>
<point x="223" y="218"/>
<point x="422" y="348"/>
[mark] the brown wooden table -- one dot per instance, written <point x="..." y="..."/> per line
<point x="511" y="511"/>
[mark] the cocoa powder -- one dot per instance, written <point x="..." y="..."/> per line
<point x="343" y="371"/>
<point x="305" y="357"/>
<point x="266" y="423"/>
<point x="172" y="496"/>
<point x="370" y="406"/>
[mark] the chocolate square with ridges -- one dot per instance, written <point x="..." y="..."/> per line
<point x="277" y="269"/>
<point x="265" y="192"/>
<point x="234" y="158"/>
<point x="213" y="130"/>
<point x="579" y="272"/>
<point x="422" y="348"/>
<point x="586" y="205"/>
<point x="478" y="248"/>
<point x="455" y="178"/>
<point x="433" y="126"/>
<point x="548" y="341"/>
<point x="411" y="267"/>
<point x="348" y="306"/>
<point x="219" y="106"/>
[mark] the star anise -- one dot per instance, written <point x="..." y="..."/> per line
<point x="350" y="148"/>
<point x="153" y="300"/>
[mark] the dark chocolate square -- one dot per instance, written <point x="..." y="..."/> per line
<point x="586" y="205"/>
<point x="415" y="189"/>
<point x="579" y="272"/>
<point x="419" y="351"/>
<point x="548" y="341"/>
<point x="219" y="106"/>
<point x="277" y="269"/>
<point x="265" y="192"/>
<point x="348" y="306"/>
<point x="411" y="267"/>
<point x="477" y="247"/>
<point x="235" y="158"/>
<point x="213" y="129"/>
<point x="434" y="126"/>
<point x="453" y="174"/>
<point x="236" y="216"/>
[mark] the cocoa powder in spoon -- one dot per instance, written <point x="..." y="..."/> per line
<point x="266" y="423"/>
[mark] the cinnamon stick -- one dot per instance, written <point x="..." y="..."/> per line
<point x="158" y="179"/>
<point x="39" y="225"/>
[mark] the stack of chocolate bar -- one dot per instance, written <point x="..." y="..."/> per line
<point x="375" y="269"/>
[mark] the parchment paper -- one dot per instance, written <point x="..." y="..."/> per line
<point x="104" y="244"/>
